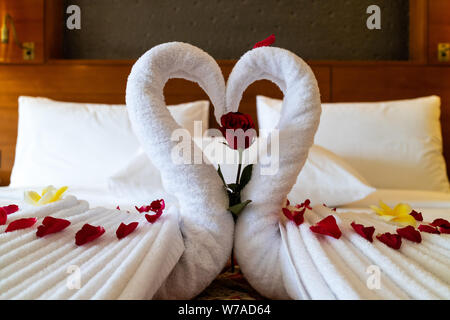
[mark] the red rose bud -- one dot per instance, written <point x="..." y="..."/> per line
<point x="238" y="129"/>
<point x="296" y="216"/>
<point x="328" y="227"/>
<point x="51" y="225"/>
<point x="409" y="233"/>
<point x="416" y="215"/>
<point x="21" y="224"/>
<point x="393" y="241"/>
<point x="365" y="232"/>
<point x="427" y="228"/>
<point x="126" y="229"/>
<point x="88" y="233"/>
<point x="266" y="42"/>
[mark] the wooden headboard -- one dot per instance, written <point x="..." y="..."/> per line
<point x="105" y="81"/>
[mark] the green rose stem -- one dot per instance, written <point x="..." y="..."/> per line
<point x="238" y="178"/>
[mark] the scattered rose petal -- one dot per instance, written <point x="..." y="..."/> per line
<point x="288" y="203"/>
<point x="305" y="204"/>
<point x="126" y="229"/>
<point x="21" y="224"/>
<point x="3" y="217"/>
<point x="416" y="215"/>
<point x="156" y="206"/>
<point x="410" y="234"/>
<point x="51" y="225"/>
<point x="327" y="226"/>
<point x="429" y="229"/>
<point x="440" y="223"/>
<point x="445" y="230"/>
<point x="118" y="208"/>
<point x="153" y="217"/>
<point x="365" y="232"/>
<point x="393" y="241"/>
<point x="10" y="209"/>
<point x="266" y="42"/>
<point x="296" y="216"/>
<point x="88" y="233"/>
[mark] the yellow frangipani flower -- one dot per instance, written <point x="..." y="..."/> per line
<point x="399" y="214"/>
<point x="49" y="194"/>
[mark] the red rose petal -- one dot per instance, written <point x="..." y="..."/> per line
<point x="52" y="225"/>
<point x="427" y="228"/>
<point x="410" y="234"/>
<point x="393" y="241"/>
<point x="266" y="42"/>
<point x="445" y="230"/>
<point x="152" y="217"/>
<point x="3" y="217"/>
<point x="305" y="204"/>
<point x="327" y="226"/>
<point x="440" y="223"/>
<point x="21" y="224"/>
<point x="117" y="208"/>
<point x="296" y="216"/>
<point x="11" y="208"/>
<point x="126" y="229"/>
<point x="365" y="232"/>
<point x="156" y="206"/>
<point x="87" y="234"/>
<point x="416" y="215"/>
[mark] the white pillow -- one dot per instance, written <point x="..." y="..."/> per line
<point x="325" y="177"/>
<point x="80" y="144"/>
<point x="393" y="144"/>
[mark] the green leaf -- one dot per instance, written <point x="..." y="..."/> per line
<point x="237" y="208"/>
<point x="246" y="176"/>
<point x="219" y="171"/>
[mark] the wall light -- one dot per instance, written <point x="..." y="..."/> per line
<point x="27" y="47"/>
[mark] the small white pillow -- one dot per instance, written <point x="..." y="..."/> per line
<point x="80" y="144"/>
<point x="393" y="144"/>
<point x="325" y="177"/>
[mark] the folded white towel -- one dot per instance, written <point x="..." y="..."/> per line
<point x="205" y="224"/>
<point x="48" y="268"/>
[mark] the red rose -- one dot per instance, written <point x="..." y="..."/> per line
<point x="238" y="129"/>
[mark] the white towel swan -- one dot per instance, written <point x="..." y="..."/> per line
<point x="176" y="257"/>
<point x="282" y="260"/>
<point x="206" y="226"/>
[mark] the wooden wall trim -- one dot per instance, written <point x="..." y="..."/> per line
<point x="418" y="30"/>
<point x="53" y="29"/>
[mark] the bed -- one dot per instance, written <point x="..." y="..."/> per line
<point x="110" y="79"/>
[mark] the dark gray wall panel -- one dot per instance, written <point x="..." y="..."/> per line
<point x="314" y="29"/>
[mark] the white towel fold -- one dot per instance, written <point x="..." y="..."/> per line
<point x="131" y="268"/>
